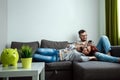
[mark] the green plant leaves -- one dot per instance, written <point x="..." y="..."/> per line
<point x="26" y="51"/>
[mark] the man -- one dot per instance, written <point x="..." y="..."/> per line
<point x="103" y="48"/>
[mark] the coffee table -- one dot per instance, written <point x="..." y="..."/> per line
<point x="37" y="71"/>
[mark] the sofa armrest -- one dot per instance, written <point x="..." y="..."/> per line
<point x="115" y="51"/>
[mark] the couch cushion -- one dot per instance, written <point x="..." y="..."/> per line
<point x="53" y="44"/>
<point x="96" y="70"/>
<point x="59" y="71"/>
<point x="18" y="45"/>
<point x="61" y="65"/>
<point x="115" y="51"/>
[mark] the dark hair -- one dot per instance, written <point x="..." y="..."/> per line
<point x="90" y="41"/>
<point x="81" y="31"/>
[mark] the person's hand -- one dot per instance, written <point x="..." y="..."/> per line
<point x="92" y="58"/>
<point x="66" y="50"/>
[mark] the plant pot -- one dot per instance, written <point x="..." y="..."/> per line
<point x="26" y="62"/>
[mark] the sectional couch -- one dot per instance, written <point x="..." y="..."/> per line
<point x="73" y="70"/>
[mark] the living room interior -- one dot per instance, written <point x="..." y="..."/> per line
<point x="42" y="22"/>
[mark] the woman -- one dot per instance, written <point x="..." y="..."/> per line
<point x="70" y="53"/>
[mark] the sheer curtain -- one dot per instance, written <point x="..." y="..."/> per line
<point x="119" y="17"/>
<point x="112" y="29"/>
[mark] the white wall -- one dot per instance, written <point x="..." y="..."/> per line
<point x="102" y="21"/>
<point x="33" y="20"/>
<point x="3" y="24"/>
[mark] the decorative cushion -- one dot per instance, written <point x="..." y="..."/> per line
<point x="53" y="44"/>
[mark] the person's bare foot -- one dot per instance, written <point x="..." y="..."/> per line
<point x="109" y="53"/>
<point x="119" y="60"/>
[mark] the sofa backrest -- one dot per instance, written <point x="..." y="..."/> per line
<point x="115" y="51"/>
<point x="34" y="45"/>
<point x="53" y="44"/>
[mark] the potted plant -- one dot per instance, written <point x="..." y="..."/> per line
<point x="26" y="56"/>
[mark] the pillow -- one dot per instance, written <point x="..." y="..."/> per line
<point x="34" y="45"/>
<point x="53" y="44"/>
